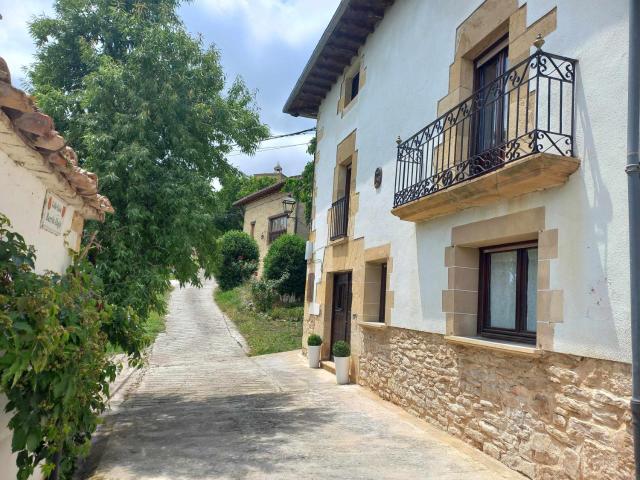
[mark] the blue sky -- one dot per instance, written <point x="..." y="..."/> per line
<point x="266" y="42"/>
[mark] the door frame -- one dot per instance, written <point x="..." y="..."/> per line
<point x="335" y="276"/>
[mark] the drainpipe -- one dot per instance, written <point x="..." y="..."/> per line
<point x="633" y="178"/>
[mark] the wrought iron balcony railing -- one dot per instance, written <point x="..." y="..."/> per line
<point x="527" y="110"/>
<point x="339" y="218"/>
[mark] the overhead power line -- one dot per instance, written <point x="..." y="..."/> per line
<point x="266" y="149"/>
<point x="273" y="137"/>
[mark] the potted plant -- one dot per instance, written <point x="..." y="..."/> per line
<point x="314" y="343"/>
<point x="341" y="357"/>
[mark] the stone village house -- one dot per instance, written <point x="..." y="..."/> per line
<point x="46" y="196"/>
<point x="469" y="232"/>
<point x="265" y="218"/>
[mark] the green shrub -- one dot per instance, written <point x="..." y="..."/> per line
<point x="264" y="293"/>
<point x="236" y="259"/>
<point x="314" y="340"/>
<point x="286" y="255"/>
<point x="341" y="349"/>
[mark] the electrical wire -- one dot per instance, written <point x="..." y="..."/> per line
<point x="267" y="149"/>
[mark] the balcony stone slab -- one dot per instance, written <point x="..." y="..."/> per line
<point x="540" y="171"/>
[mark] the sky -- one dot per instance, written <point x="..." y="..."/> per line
<point x="266" y="42"/>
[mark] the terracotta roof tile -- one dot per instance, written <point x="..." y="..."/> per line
<point x="37" y="132"/>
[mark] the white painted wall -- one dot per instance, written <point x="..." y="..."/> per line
<point x="407" y="60"/>
<point x="21" y="200"/>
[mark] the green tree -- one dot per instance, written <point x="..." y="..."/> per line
<point x="237" y="259"/>
<point x="285" y="260"/>
<point x="301" y="187"/>
<point x="55" y="368"/>
<point x="148" y="109"/>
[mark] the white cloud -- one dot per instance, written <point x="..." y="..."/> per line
<point x="17" y="45"/>
<point x="291" y="21"/>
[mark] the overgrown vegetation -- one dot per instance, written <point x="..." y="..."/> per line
<point x="55" y="366"/>
<point x="285" y="263"/>
<point x="237" y="259"/>
<point x="278" y="330"/>
<point x="264" y="292"/>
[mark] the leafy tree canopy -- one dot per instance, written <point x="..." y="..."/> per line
<point x="147" y="107"/>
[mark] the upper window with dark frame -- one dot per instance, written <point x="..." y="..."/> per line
<point x="277" y="226"/>
<point x="355" y="86"/>
<point x="508" y="292"/>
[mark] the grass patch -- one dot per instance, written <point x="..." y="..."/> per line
<point x="279" y="330"/>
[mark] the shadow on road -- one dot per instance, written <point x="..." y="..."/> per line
<point x="177" y="437"/>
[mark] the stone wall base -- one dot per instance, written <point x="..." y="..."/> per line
<point x="551" y="417"/>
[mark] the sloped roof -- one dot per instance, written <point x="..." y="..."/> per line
<point x="276" y="187"/>
<point x="347" y="31"/>
<point x="29" y="138"/>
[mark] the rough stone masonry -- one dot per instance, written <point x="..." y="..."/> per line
<point x="550" y="417"/>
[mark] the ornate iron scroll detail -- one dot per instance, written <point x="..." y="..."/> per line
<point x="527" y="110"/>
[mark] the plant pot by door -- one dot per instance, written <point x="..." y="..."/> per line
<point x="313" y="355"/>
<point x="342" y="369"/>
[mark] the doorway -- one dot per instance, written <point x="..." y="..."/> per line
<point x="341" y="309"/>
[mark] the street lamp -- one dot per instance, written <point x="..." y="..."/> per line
<point x="288" y="204"/>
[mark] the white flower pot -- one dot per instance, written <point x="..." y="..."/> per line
<point x="313" y="355"/>
<point x="342" y="369"/>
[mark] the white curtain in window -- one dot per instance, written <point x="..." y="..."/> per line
<point x="502" y="293"/>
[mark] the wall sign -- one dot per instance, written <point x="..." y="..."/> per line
<point x="53" y="213"/>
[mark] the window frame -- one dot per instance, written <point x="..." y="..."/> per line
<point x="520" y="333"/>
<point x="274" y="234"/>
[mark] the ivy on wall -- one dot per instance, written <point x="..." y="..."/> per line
<point x="55" y="367"/>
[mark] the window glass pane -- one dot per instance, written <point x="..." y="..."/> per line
<point x="502" y="292"/>
<point x="532" y="288"/>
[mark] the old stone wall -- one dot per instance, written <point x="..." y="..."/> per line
<point x="550" y="417"/>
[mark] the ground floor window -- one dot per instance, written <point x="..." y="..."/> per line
<point x="508" y="291"/>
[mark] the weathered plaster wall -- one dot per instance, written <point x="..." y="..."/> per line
<point x="407" y="69"/>
<point x="565" y="417"/>
<point x="260" y="211"/>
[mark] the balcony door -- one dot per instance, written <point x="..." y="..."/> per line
<point x="489" y="132"/>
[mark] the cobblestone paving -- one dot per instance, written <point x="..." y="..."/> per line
<point x="204" y="410"/>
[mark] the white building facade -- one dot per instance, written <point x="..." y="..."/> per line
<point x="473" y="247"/>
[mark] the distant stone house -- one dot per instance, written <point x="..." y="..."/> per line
<point x="46" y="196"/>
<point x="470" y="235"/>
<point x="265" y="218"/>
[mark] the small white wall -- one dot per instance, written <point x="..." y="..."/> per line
<point x="407" y="60"/>
<point x="21" y="200"/>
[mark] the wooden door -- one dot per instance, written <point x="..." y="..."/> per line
<point x="341" y="308"/>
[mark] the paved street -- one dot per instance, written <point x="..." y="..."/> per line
<point x="204" y="410"/>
